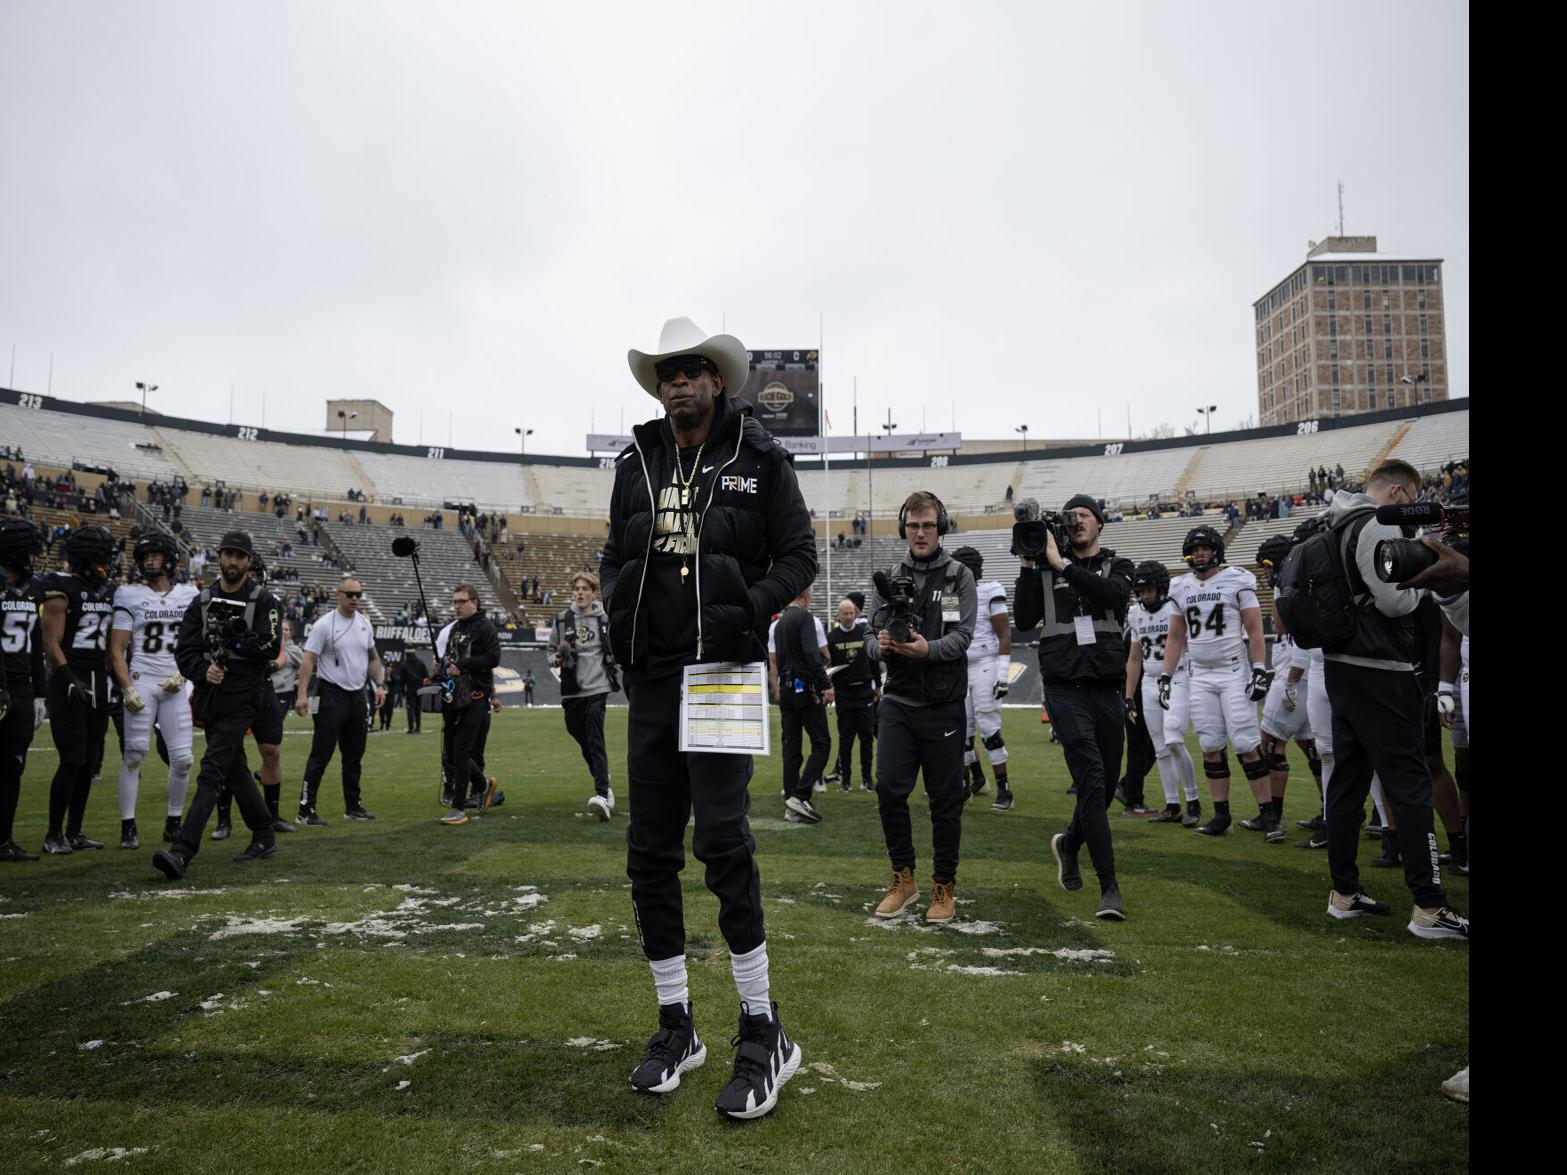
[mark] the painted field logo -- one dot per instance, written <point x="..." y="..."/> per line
<point x="775" y="397"/>
<point x="740" y="485"/>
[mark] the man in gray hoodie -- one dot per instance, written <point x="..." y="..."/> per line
<point x="579" y="648"/>
<point x="1377" y="707"/>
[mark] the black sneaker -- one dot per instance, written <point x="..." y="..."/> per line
<point x="845" y="786"/>
<point x="1003" y="801"/>
<point x="1218" y="826"/>
<point x="57" y="845"/>
<point x="1443" y="922"/>
<point x="82" y="844"/>
<point x="11" y="851"/>
<point x="1272" y="830"/>
<point x="802" y="808"/>
<point x="1461" y="870"/>
<point x="765" y="1059"/>
<point x="1170" y="815"/>
<point x="1121" y="796"/>
<point x="169" y="863"/>
<point x="835" y="777"/>
<point x="281" y="825"/>
<point x="673" y="1050"/>
<point x="1193" y="814"/>
<point x="128" y="837"/>
<point x="1315" y="824"/>
<point x="310" y="818"/>
<point x="1317" y="840"/>
<point x="1354" y="905"/>
<point x="257" y="849"/>
<point x="358" y="813"/>
<point x="1257" y="823"/>
<point x="223" y="831"/>
<point x="1373" y="831"/>
<point x="1067" y="873"/>
<point x="171" y="828"/>
<point x="446" y="799"/>
<point x="1389" y="857"/>
<point x="1140" y="810"/>
<point x="1111" y="907"/>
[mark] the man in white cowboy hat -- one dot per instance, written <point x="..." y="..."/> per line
<point x="708" y="537"/>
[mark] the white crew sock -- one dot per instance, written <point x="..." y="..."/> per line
<point x="1169" y="779"/>
<point x="752" y="983"/>
<point x="669" y="976"/>
<point x="1327" y="774"/>
<point x="1379" y="800"/>
<point x="130" y="778"/>
<point x="1188" y="770"/>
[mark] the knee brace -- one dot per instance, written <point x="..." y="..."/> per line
<point x="1256" y="768"/>
<point x="1313" y="760"/>
<point x="995" y="742"/>
<point x="1219" y="770"/>
<point x="1279" y="761"/>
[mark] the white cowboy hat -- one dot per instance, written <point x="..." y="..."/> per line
<point x="681" y="336"/>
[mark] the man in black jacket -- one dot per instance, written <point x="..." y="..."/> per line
<point x="1081" y="599"/>
<point x="857" y="688"/>
<point x="228" y="639"/>
<point x="804" y="693"/>
<point x="708" y="537"/>
<point x="469" y="656"/>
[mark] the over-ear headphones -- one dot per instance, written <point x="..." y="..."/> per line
<point x="941" y="519"/>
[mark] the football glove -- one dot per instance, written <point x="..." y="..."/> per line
<point x="1261" y="679"/>
<point x="40" y="712"/>
<point x="133" y="700"/>
<point x="1447" y="703"/>
<point x="76" y="689"/>
<point x="1130" y="705"/>
<point x="1164" y="691"/>
<point x="1290" y="701"/>
<point x="171" y="685"/>
<point x="1003" y="677"/>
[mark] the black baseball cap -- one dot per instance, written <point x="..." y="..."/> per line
<point x="237" y="540"/>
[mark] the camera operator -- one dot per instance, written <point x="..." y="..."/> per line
<point x="803" y="692"/>
<point x="1081" y="597"/>
<point x="1376" y="702"/>
<point x="342" y="646"/>
<point x="857" y="689"/>
<point x="579" y="647"/>
<point x="470" y="651"/>
<point x="228" y="639"/>
<point x="922" y="712"/>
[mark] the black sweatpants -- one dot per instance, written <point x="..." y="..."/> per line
<point x="340" y="724"/>
<point x="668" y="786"/>
<point x="916" y="740"/>
<point x="1090" y="719"/>
<point x="856" y="722"/>
<point x="78" y="730"/>
<point x="1139" y="753"/>
<point x="468" y="725"/>
<point x="809" y="717"/>
<point x="585" y="723"/>
<point x="16" y="735"/>
<point x="227" y="716"/>
<point x="411" y="701"/>
<point x="1376" y="730"/>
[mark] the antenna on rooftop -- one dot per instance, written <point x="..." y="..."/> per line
<point x="1341" y="208"/>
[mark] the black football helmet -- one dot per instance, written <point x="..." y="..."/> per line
<point x="156" y="542"/>
<point x="971" y="559"/>
<point x="1202" y="536"/>
<point x="1152" y="574"/>
<point x="258" y="568"/>
<point x="1271" y="555"/>
<point x="92" y="553"/>
<point x="19" y="543"/>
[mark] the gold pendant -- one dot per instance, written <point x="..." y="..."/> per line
<point x="684" y="571"/>
<point x="685" y="498"/>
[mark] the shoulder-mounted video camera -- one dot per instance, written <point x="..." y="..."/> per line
<point x="1398" y="560"/>
<point x="227" y="631"/>
<point x="1031" y="525"/>
<point x="898" y="615"/>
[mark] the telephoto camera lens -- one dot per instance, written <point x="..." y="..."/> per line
<point x="1401" y="559"/>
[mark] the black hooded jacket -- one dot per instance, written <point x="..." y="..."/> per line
<point x="749" y="548"/>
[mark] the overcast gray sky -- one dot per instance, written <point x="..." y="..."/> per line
<point x="1017" y="212"/>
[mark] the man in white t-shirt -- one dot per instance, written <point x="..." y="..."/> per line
<point x="340" y="651"/>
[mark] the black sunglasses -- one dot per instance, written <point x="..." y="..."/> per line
<point x="690" y="366"/>
<point x="353" y="595"/>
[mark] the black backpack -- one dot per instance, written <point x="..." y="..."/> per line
<point x="1315" y="596"/>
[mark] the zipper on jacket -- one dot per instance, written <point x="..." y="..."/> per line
<point x="712" y="489"/>
<point x="647" y="555"/>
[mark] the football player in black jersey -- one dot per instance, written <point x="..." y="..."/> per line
<point x="22" y="675"/>
<point x="77" y="608"/>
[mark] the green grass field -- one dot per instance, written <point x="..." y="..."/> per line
<point x="400" y="996"/>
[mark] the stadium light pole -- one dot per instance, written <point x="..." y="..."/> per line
<point x="524" y="433"/>
<point x="870" y="473"/>
<point x="1023" y="428"/>
<point x="345" y="417"/>
<point x="145" y="389"/>
<point x="1208" y="412"/>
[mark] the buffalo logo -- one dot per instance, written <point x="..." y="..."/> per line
<point x="775" y="397"/>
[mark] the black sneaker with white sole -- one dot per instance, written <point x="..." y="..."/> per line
<point x="1003" y="800"/>
<point x="1442" y="922"/>
<point x="171" y="863"/>
<point x="673" y="1050"/>
<point x="171" y="828"/>
<point x="128" y="837"/>
<point x="309" y="818"/>
<point x="1257" y="823"/>
<point x="1193" y="814"/>
<point x="598" y="808"/>
<point x="1315" y="824"/>
<point x="1218" y="826"/>
<point x="1317" y="840"/>
<point x="1355" y="905"/>
<point x="1170" y="815"/>
<point x="765" y="1059"/>
<point x="81" y="843"/>
<point x="56" y="845"/>
<point x="1067" y="872"/>
<point x="1272" y="829"/>
<point x="256" y="850"/>
<point x="802" y="808"/>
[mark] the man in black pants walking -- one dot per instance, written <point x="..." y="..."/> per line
<point x="708" y="537"/>
<point x="228" y="639"/>
<point x="340" y="650"/>
<point x="1081" y="599"/>
<point x="22" y="683"/>
<point x="579" y="644"/>
<point x="1377" y="707"/>
<point x="469" y="653"/>
<point x="923" y="713"/>
<point x="410" y="674"/>
<point x="858" y="687"/>
<point x="804" y="691"/>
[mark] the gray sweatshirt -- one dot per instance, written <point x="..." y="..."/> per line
<point x="592" y="628"/>
<point x="1385" y="597"/>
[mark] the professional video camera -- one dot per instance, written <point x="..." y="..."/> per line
<point x="567" y="652"/>
<point x="226" y="632"/>
<point x="898" y="615"/>
<point x="1400" y="559"/>
<point x="1030" y="527"/>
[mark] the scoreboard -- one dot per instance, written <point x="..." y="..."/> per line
<point x="785" y="390"/>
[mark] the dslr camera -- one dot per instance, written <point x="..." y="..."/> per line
<point x="898" y="615"/>
<point x="567" y="652"/>
<point x="1401" y="559"/>
<point x="1030" y="526"/>
<point x="227" y="633"/>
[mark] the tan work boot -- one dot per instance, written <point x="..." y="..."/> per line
<point x="942" y="906"/>
<point x="901" y="890"/>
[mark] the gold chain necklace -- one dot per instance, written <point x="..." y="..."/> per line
<point x="685" y="497"/>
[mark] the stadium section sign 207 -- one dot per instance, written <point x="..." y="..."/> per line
<point x="785" y="391"/>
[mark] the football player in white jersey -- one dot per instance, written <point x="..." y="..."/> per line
<point x="1284" y="715"/>
<point x="1148" y="622"/>
<point x="989" y="675"/>
<point x="146" y="620"/>
<point x="1218" y="618"/>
